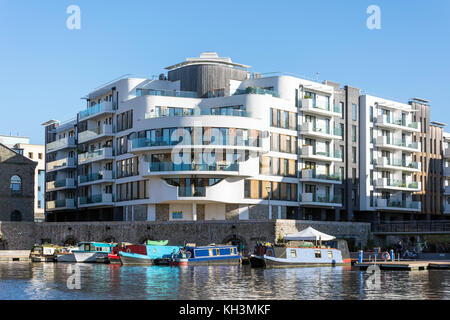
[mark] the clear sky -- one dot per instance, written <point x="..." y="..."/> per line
<point x="46" y="68"/>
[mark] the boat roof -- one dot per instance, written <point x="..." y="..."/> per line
<point x="97" y="244"/>
<point x="212" y="246"/>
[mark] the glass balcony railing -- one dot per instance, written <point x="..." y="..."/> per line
<point x="96" y="177"/>
<point x="311" y="174"/>
<point x="404" y="164"/>
<point x="98" y="108"/>
<point x="398" y="183"/>
<point x="184" y="112"/>
<point x="170" y="166"/>
<point x="398" y="204"/>
<point x="313" y="197"/>
<point x="97" y="198"/>
<point x="166" y="93"/>
<point x="192" y="191"/>
<point x="92" y="155"/>
<point x="251" y="90"/>
<point x="227" y="141"/>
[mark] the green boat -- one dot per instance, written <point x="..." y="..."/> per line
<point x="157" y="243"/>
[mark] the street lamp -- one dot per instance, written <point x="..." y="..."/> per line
<point x="269" y="191"/>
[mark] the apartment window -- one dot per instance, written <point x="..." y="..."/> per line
<point x="342" y="109"/>
<point x="353" y="133"/>
<point x="371" y="135"/>
<point x="39" y="204"/>
<point x="342" y="130"/>
<point x="371" y="177"/>
<point x="354" y="175"/>
<point x="342" y="152"/>
<point x="124" y="121"/>
<point x="371" y="114"/>
<point x="371" y="156"/>
<point x="354" y="115"/>
<point x="354" y="154"/>
<point x="30" y="155"/>
<point x="40" y="156"/>
<point x="371" y="198"/>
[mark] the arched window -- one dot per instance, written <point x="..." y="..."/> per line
<point x="16" y="185"/>
<point x="16" y="216"/>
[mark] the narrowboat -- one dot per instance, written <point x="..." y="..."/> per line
<point x="304" y="249"/>
<point x="208" y="255"/>
<point x="43" y="253"/>
<point x="66" y="254"/>
<point x="147" y="254"/>
<point x="92" y="251"/>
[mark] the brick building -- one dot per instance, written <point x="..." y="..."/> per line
<point x="17" y="175"/>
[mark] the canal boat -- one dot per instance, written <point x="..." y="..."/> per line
<point x="92" y="251"/>
<point x="208" y="255"/>
<point x="147" y="254"/>
<point x="43" y="253"/>
<point x="65" y="254"/>
<point x="303" y="249"/>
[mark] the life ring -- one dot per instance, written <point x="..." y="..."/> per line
<point x="386" y="256"/>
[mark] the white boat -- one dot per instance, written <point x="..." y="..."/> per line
<point x="66" y="254"/>
<point x="92" y="251"/>
<point x="304" y="253"/>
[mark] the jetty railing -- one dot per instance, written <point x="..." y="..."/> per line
<point x="412" y="227"/>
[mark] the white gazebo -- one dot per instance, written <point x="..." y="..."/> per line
<point x="309" y="234"/>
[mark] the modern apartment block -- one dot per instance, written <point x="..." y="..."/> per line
<point x="430" y="156"/>
<point x="389" y="169"/>
<point x="212" y="141"/>
<point x="35" y="153"/>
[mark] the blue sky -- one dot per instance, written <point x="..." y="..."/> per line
<point x="46" y="68"/>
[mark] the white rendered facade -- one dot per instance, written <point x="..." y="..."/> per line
<point x="388" y="169"/>
<point x="263" y="132"/>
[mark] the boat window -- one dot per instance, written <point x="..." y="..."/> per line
<point x="211" y="252"/>
<point x="318" y="254"/>
<point x="293" y="253"/>
<point x="217" y="252"/>
<point x="330" y="254"/>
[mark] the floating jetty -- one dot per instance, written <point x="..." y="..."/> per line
<point x="15" y="255"/>
<point x="405" y="265"/>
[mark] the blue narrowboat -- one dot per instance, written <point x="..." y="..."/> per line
<point x="148" y="255"/>
<point x="209" y="255"/>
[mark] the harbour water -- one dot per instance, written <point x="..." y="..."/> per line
<point x="24" y="280"/>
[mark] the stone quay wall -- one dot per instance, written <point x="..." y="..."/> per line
<point x="22" y="235"/>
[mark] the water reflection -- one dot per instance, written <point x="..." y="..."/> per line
<point x="20" y="280"/>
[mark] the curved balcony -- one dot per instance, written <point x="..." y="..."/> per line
<point x="140" y="145"/>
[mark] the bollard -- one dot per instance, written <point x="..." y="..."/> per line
<point x="360" y="257"/>
<point x="391" y="253"/>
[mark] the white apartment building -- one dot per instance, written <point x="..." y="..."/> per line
<point x="210" y="142"/>
<point x="388" y="168"/>
<point x="35" y="153"/>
